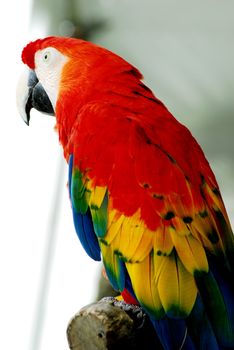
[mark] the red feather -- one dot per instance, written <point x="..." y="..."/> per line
<point x="123" y="135"/>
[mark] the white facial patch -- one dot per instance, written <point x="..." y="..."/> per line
<point x="49" y="63"/>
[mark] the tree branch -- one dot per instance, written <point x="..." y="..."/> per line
<point x="111" y="324"/>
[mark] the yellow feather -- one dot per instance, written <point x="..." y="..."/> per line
<point x="129" y="236"/>
<point x="201" y="238"/>
<point x="190" y="251"/>
<point x="202" y="224"/>
<point x="115" y="221"/>
<point x="113" y="266"/>
<point x="163" y="244"/>
<point x="158" y="263"/>
<point x="142" y="278"/>
<point x="145" y="246"/>
<point x="133" y="240"/>
<point x="176" y="287"/>
<point x="205" y="226"/>
<point x="176" y="205"/>
<point x="97" y="195"/>
<point x="217" y="202"/>
<point x="181" y="228"/>
<point x="123" y="241"/>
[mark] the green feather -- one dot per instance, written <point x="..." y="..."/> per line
<point x="214" y="305"/>
<point x="114" y="266"/>
<point x="79" y="193"/>
<point x="100" y="217"/>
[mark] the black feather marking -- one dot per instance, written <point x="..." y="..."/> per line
<point x="203" y="214"/>
<point x="169" y="215"/>
<point x="145" y="185"/>
<point x="171" y="158"/>
<point x="157" y="196"/>
<point x="213" y="237"/>
<point x="187" y="219"/>
<point x="216" y="191"/>
<point x="147" y="97"/>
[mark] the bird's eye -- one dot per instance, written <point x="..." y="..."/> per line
<point x="46" y="56"/>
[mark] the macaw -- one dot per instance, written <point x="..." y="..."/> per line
<point x="143" y="195"/>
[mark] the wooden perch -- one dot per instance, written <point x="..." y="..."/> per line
<point x="111" y="324"/>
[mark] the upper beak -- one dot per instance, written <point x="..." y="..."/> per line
<point x="31" y="94"/>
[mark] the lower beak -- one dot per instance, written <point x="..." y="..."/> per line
<point x="31" y="94"/>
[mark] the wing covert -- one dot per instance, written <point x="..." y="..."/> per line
<point x="158" y="216"/>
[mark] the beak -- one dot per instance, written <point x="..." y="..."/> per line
<point x="31" y="94"/>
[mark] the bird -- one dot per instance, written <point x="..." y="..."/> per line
<point x="143" y="196"/>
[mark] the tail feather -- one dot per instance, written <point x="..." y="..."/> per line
<point x="195" y="332"/>
<point x="219" y="305"/>
<point x="173" y="334"/>
<point x="200" y="328"/>
<point x="210" y="325"/>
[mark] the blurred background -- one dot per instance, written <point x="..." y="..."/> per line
<point x="186" y="53"/>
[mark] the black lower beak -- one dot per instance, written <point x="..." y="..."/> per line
<point x="37" y="98"/>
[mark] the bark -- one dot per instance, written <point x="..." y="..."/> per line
<point x="111" y="324"/>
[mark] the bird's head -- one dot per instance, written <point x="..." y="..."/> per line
<point x="55" y="66"/>
<point x="63" y="74"/>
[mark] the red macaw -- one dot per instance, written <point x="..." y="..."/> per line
<point x="142" y="192"/>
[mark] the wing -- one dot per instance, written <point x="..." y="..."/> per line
<point x="81" y="216"/>
<point x="159" y="218"/>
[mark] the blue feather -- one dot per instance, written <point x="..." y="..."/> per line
<point x="217" y="300"/>
<point x="173" y="334"/>
<point x="128" y="283"/>
<point x="84" y="229"/>
<point x="200" y="328"/>
<point x="115" y="268"/>
<point x="84" y="225"/>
